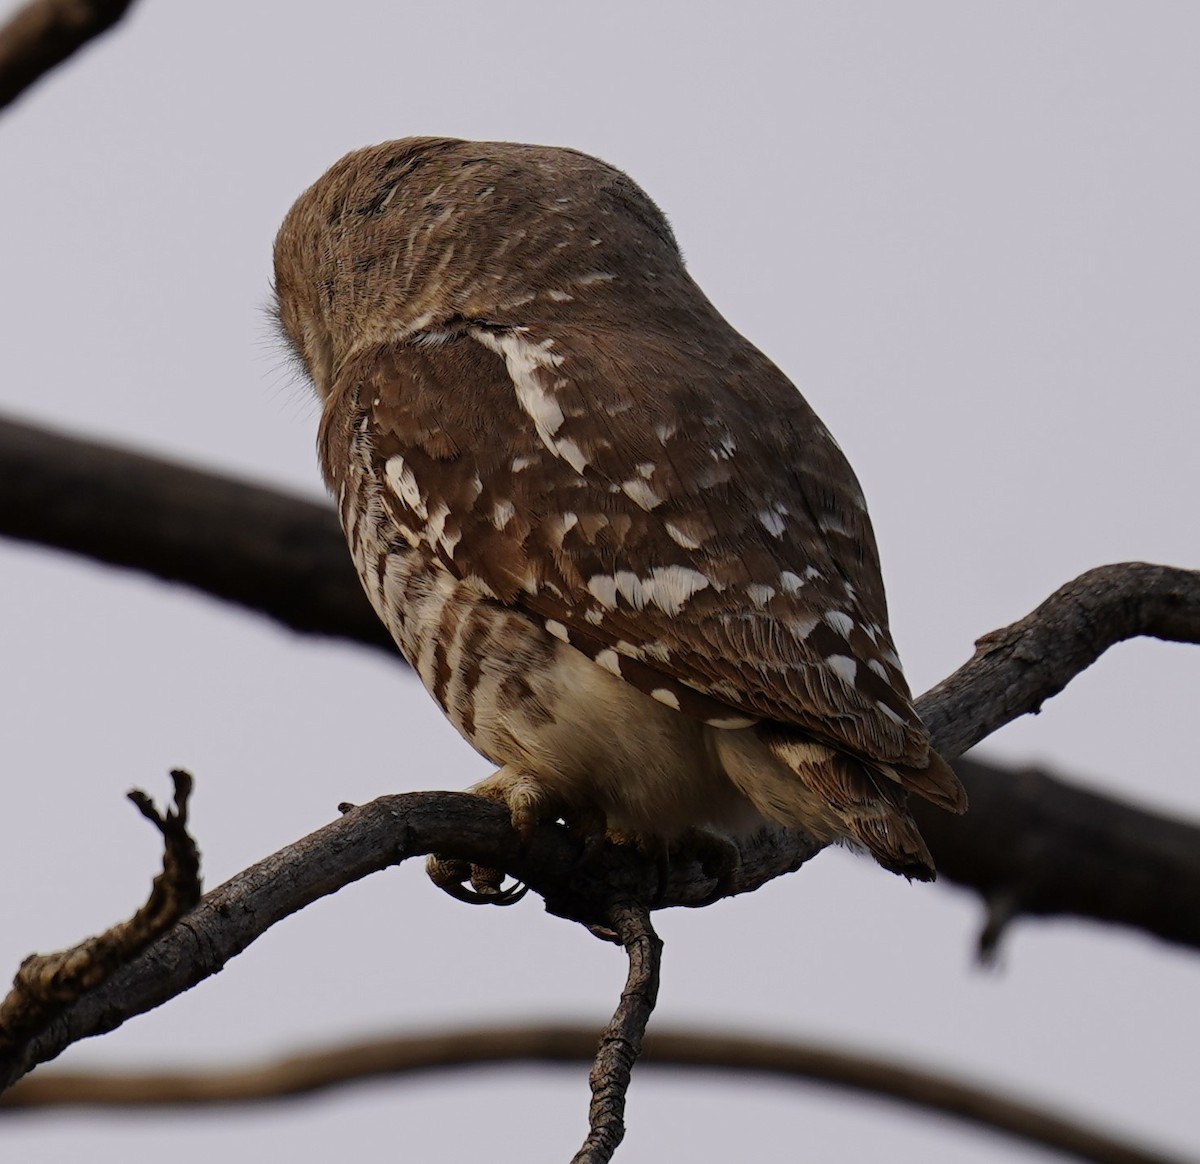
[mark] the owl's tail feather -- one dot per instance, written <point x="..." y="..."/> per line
<point x="936" y="782"/>
<point x="829" y="794"/>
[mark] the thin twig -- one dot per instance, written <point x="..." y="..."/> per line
<point x="978" y="1104"/>
<point x="621" y="1042"/>
<point x="45" y="33"/>
<point x="46" y="985"/>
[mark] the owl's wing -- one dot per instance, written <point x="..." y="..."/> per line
<point x="677" y="512"/>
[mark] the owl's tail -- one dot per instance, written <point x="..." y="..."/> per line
<point x="834" y="795"/>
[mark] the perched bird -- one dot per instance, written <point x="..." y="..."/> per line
<point x="620" y="550"/>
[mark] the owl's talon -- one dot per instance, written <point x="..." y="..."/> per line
<point x="451" y="875"/>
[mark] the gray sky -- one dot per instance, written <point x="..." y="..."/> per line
<point x="966" y="230"/>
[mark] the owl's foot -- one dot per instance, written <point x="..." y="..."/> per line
<point x="717" y="855"/>
<point x="487" y="885"/>
<point x="528" y="805"/>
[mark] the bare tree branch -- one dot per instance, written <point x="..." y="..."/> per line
<point x="45" y="33"/>
<point x="982" y="1105"/>
<point x="1029" y="839"/>
<point x="621" y="1042"/>
<point x="370" y="838"/>
<point x="1017" y="668"/>
<point x="47" y="984"/>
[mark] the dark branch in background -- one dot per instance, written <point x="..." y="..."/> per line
<point x="45" y="33"/>
<point x="258" y="548"/>
<point x="981" y="1105"/>
<point x="1031" y="842"/>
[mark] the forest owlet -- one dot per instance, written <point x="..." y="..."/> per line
<point x="620" y="550"/>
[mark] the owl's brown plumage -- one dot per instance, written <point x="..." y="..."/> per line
<point x="621" y="551"/>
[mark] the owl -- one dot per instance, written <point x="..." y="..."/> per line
<point x="621" y="551"/>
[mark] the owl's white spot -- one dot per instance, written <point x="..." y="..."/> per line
<point x="892" y="658"/>
<point x="812" y="572"/>
<point x="790" y="583"/>
<point x="760" y="595"/>
<point x="594" y="277"/>
<point x="667" y="587"/>
<point x="387" y="198"/>
<point x="665" y="430"/>
<point x="450" y="541"/>
<point x="879" y="669"/>
<point x="557" y="629"/>
<point x="404" y="485"/>
<point x="524" y="360"/>
<point x="801" y="753"/>
<point x="559" y="296"/>
<point x="873" y="630"/>
<point x="655" y="649"/>
<point x="502" y="513"/>
<point x="887" y="711"/>
<point x="434" y="338"/>
<point x="664" y="695"/>
<point x="520" y="464"/>
<point x="680" y="538"/>
<point x="731" y="722"/>
<point x="595" y="617"/>
<point x="419" y="324"/>
<point x="772" y="519"/>
<point x="603" y="588"/>
<point x="610" y="661"/>
<point x="436" y="525"/>
<point x="726" y="447"/>
<point x="476" y="487"/>
<point x="831" y="524"/>
<point x="571" y="453"/>
<point x="563" y="201"/>
<point x="365" y="422"/>
<point x="486" y="192"/>
<point x="844" y="667"/>
<point x="629" y="585"/>
<point x="801" y="628"/>
<point x="841" y="622"/>
<point x="645" y="469"/>
<point x="595" y="242"/>
<point x="640" y="493"/>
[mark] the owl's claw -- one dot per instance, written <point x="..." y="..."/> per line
<point x="451" y="875"/>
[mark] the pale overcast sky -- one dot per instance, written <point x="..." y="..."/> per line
<point x="967" y="230"/>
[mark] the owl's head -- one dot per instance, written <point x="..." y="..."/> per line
<point x="400" y="238"/>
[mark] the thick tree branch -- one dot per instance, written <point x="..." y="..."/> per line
<point x="45" y="33"/>
<point x="365" y="840"/>
<point x="982" y="1105"/>
<point x="1029" y="838"/>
